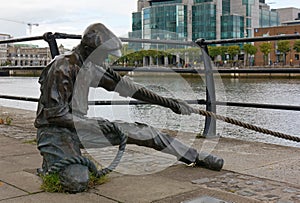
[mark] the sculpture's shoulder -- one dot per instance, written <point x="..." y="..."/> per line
<point x="67" y="64"/>
<point x="69" y="58"/>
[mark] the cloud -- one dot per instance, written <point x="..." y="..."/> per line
<point x="283" y="4"/>
<point x="67" y="16"/>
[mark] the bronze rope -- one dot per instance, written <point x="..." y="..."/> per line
<point x="172" y="104"/>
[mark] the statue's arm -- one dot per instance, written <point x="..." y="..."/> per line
<point x="112" y="81"/>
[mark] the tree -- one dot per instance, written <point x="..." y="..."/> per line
<point x="137" y="56"/>
<point x="213" y="52"/>
<point x="284" y="46"/>
<point x="265" y="48"/>
<point x="297" y="46"/>
<point x="223" y="51"/>
<point x="233" y="51"/>
<point x="249" y="51"/>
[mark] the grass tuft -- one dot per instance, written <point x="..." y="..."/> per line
<point x="51" y="182"/>
<point x="94" y="181"/>
<point x="33" y="141"/>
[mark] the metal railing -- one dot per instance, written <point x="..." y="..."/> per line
<point x="210" y="102"/>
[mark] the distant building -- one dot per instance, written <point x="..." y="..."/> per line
<point x="194" y="19"/>
<point x="3" y="49"/>
<point x="275" y="57"/>
<point x="267" y="17"/>
<point x="29" y="55"/>
<point x="288" y="15"/>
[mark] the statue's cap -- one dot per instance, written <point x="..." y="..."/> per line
<point x="98" y="36"/>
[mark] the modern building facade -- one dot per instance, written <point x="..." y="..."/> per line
<point x="194" y="19"/>
<point x="267" y="17"/>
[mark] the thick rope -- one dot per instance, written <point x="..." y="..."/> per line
<point x="63" y="163"/>
<point x="166" y="102"/>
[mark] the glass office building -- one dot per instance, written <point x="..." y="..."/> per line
<point x="194" y="19"/>
<point x="204" y="17"/>
<point x="268" y="18"/>
<point x="232" y="27"/>
<point x="160" y="21"/>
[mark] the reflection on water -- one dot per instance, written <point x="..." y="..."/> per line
<point x="269" y="91"/>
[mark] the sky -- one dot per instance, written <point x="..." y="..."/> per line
<point x="67" y="16"/>
<point x="283" y="4"/>
<point x="73" y="16"/>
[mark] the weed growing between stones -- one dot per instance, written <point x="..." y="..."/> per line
<point x="51" y="182"/>
<point x="6" y="121"/>
<point x="32" y="141"/>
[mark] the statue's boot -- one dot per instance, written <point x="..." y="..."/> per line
<point x="209" y="161"/>
<point x="75" y="178"/>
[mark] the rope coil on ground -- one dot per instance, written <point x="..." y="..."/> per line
<point x="63" y="163"/>
<point x="173" y="104"/>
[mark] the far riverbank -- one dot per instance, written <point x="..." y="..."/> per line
<point x="235" y="72"/>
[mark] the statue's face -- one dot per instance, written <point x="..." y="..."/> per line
<point x="97" y="38"/>
<point x="92" y="38"/>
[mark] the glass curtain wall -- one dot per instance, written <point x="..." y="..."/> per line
<point x="248" y="16"/>
<point x="232" y="27"/>
<point x="136" y="31"/>
<point x="225" y="7"/>
<point x="166" y="21"/>
<point x="204" y="20"/>
<point x="268" y="18"/>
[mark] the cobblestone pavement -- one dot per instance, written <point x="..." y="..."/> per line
<point x="147" y="161"/>
<point x="135" y="161"/>
<point x="253" y="187"/>
<point x="21" y="125"/>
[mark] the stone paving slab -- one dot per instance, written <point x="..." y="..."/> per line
<point x="5" y="141"/>
<point x="285" y="171"/>
<point x="86" y="197"/>
<point x="143" y="188"/>
<point x="11" y="164"/>
<point x="7" y="191"/>
<point x="241" y="156"/>
<point x="135" y="161"/>
<point x="30" y="183"/>
<point x="17" y="149"/>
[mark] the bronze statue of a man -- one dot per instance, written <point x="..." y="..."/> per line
<point x="61" y="116"/>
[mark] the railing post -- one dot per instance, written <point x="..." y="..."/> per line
<point x="210" y="123"/>
<point x="51" y="39"/>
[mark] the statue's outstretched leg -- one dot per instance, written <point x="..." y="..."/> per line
<point x="56" y="143"/>
<point x="147" y="136"/>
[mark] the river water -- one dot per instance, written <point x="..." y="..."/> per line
<point x="262" y="90"/>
